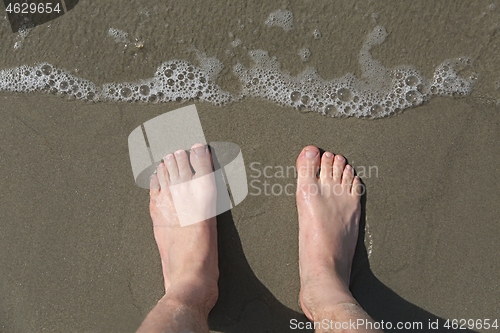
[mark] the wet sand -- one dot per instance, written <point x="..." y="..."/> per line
<point x="78" y="253"/>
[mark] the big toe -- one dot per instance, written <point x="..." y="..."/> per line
<point x="201" y="160"/>
<point x="308" y="164"/>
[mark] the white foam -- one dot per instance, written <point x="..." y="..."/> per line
<point x="175" y="80"/>
<point x="44" y="77"/>
<point x="280" y="18"/>
<point x="379" y="92"/>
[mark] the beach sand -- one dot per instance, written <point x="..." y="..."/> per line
<point x="76" y="242"/>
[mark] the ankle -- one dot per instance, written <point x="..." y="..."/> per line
<point x="193" y="292"/>
<point x="346" y="313"/>
<point x="333" y="308"/>
<point x="338" y="311"/>
<point x="316" y="301"/>
<point x="174" y="315"/>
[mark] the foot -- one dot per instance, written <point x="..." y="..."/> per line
<point x="181" y="207"/>
<point x="329" y="211"/>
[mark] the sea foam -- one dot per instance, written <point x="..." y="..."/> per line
<point x="379" y="92"/>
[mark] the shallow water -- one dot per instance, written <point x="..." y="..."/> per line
<point x="356" y="61"/>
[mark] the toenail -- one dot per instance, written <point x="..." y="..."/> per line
<point x="311" y="153"/>
<point x="348" y="167"/>
<point x="328" y="154"/>
<point x="339" y="158"/>
<point x="169" y="157"/>
<point x="178" y="152"/>
<point x="199" y="150"/>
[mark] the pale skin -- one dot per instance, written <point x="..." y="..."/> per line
<point x="329" y="212"/>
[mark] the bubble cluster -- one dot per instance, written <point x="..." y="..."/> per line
<point x="449" y="78"/>
<point x="304" y="54"/>
<point x="280" y="18"/>
<point x="174" y="80"/>
<point x="45" y="77"/>
<point x="378" y="93"/>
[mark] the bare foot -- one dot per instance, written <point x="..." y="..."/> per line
<point x="188" y="252"/>
<point x="329" y="211"/>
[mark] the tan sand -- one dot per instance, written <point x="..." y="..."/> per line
<point x="76" y="243"/>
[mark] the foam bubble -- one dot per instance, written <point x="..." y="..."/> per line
<point x="280" y="18"/>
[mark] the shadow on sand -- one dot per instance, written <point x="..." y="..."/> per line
<point x="246" y="305"/>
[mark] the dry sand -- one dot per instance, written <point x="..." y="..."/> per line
<point x="76" y="243"/>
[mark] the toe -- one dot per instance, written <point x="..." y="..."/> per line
<point x="338" y="168"/>
<point x="326" y="171"/>
<point x="162" y="175"/>
<point x="154" y="185"/>
<point x="358" y="188"/>
<point x="308" y="164"/>
<point x="347" y="177"/>
<point x="172" y="168"/>
<point x="307" y="168"/>
<point x="183" y="166"/>
<point x="201" y="160"/>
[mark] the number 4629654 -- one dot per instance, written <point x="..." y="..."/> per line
<point x="27" y="8"/>
<point x="472" y="324"/>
